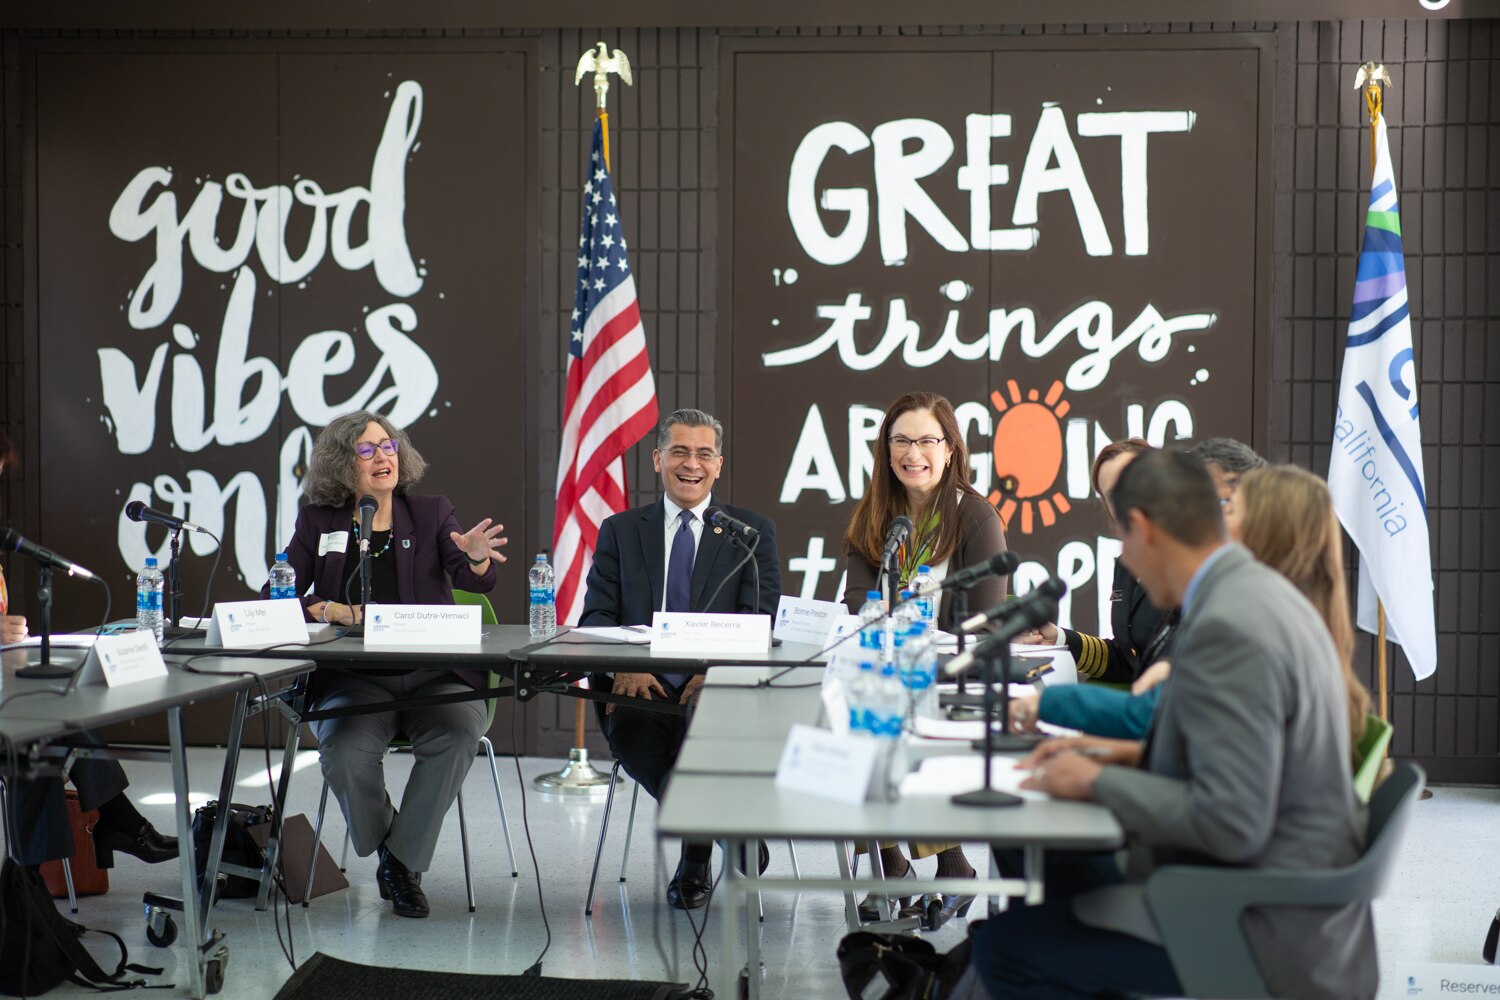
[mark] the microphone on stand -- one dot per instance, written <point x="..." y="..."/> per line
<point x="1016" y="617"/>
<point x="1029" y="606"/>
<point x="138" y="511"/>
<point x="895" y="535"/>
<point x="11" y="540"/>
<point x="1001" y="564"/>
<point x="737" y="529"/>
<point x="367" y="506"/>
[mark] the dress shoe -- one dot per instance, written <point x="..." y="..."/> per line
<point x="401" y="885"/>
<point x="690" y="886"/>
<point x="763" y="861"/>
<point x="935" y="910"/>
<point x="147" y="843"/>
<point x="869" y="907"/>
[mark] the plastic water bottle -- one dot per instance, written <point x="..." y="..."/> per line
<point x="861" y="691"/>
<point x="283" y="579"/>
<point x="148" y="592"/>
<point x="917" y="668"/>
<point x="870" y="635"/>
<point x="926" y="590"/>
<point x="907" y="613"/>
<point x="888" y="706"/>
<point x="543" y="600"/>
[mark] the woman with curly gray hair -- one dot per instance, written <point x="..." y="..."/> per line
<point x="417" y="556"/>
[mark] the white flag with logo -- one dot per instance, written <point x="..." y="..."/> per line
<point x="1375" y="473"/>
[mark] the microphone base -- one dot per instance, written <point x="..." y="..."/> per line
<point x="45" y="672"/>
<point x="986" y="798"/>
<point x="179" y="632"/>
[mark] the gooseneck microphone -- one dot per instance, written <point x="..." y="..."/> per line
<point x="12" y="541"/>
<point x="138" y="511"/>
<point x="895" y="535"/>
<point x="1001" y="564"/>
<point x="1015" y="617"/>
<point x="367" y="506"/>
<point x="716" y="517"/>
<point x="1051" y="589"/>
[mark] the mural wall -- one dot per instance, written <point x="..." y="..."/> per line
<point x="1064" y="239"/>
<point x="239" y="247"/>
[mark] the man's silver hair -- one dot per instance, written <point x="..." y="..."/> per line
<point x="689" y="418"/>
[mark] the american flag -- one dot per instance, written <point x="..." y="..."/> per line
<point x="611" y="397"/>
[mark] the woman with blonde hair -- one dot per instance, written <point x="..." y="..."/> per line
<point x="1284" y="515"/>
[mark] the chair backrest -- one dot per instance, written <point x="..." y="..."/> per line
<point x="486" y="609"/>
<point x="1370" y="754"/>
<point x="486" y="617"/>
<point x="1390" y="814"/>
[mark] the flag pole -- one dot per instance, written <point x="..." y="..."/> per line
<point x="1370" y="77"/>
<point x="579" y="776"/>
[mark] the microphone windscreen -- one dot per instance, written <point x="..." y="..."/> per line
<point x="711" y="517"/>
<point x="133" y="509"/>
<point x="1005" y="563"/>
<point x="367" y="502"/>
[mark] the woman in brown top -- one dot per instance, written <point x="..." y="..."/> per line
<point x="921" y="471"/>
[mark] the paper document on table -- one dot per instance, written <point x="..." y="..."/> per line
<point x="951" y="775"/>
<point x="638" y="634"/>
<point x="66" y="641"/>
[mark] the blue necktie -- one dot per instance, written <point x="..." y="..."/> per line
<point x="680" y="577"/>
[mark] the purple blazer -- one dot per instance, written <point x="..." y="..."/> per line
<point x="427" y="562"/>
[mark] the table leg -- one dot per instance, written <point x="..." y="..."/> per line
<point x="752" y="938"/>
<point x="226" y="792"/>
<point x="851" y="898"/>
<point x="273" y="842"/>
<point x="729" y="967"/>
<point x="1032" y="863"/>
<point x="191" y="914"/>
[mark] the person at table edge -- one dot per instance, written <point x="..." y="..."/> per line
<point x="418" y="554"/>
<point x="663" y="557"/>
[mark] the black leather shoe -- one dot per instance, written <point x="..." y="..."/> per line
<point x="402" y="886"/>
<point x="763" y="861"/>
<point x="147" y="843"/>
<point x="690" y="886"/>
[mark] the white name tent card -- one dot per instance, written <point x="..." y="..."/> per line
<point x="239" y="624"/>
<point x="423" y="625"/>
<point x="800" y="619"/>
<point x="123" y="659"/>
<point x="682" y="633"/>
<point x="827" y="765"/>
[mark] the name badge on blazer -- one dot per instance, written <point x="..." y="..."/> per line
<point x="333" y="541"/>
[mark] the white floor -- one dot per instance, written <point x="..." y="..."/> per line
<point x="1438" y="910"/>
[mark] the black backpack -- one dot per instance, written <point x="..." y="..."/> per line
<point x="239" y="847"/>
<point x="40" y="948"/>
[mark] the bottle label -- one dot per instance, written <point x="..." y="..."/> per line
<point x="541" y="595"/>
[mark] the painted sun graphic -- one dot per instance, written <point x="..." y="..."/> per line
<point x="1028" y="445"/>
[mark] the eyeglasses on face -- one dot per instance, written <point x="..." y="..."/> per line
<point x="680" y="454"/>
<point x="900" y="443"/>
<point x="365" y="450"/>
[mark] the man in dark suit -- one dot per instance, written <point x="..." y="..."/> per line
<point x="663" y="557"/>
<point x="1246" y="764"/>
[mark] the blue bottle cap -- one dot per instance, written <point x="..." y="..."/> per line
<point x="872" y="595"/>
<point x="924" y="569"/>
<point x="281" y="557"/>
<point x="150" y="560"/>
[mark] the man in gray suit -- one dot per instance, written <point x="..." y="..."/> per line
<point x="1247" y="765"/>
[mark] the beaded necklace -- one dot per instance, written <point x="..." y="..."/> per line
<point x="389" y="534"/>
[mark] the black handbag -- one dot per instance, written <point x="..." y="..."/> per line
<point x="898" y="967"/>
<point x="239" y="847"/>
<point x="40" y="948"/>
